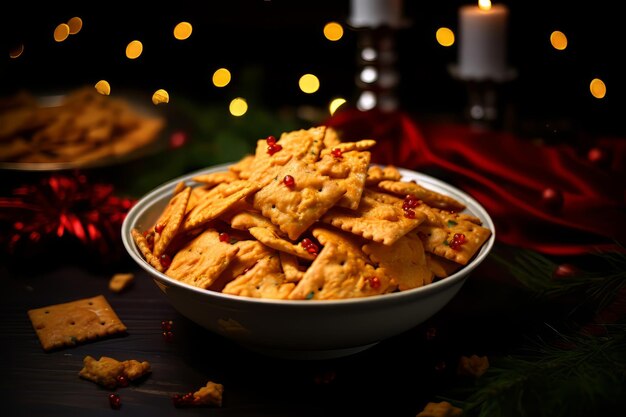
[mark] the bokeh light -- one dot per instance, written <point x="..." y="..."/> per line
<point x="333" y="31"/>
<point x="445" y="36"/>
<point x="61" y="32"/>
<point x="369" y="54"/>
<point x="160" y="96"/>
<point x="484" y="4"/>
<point x="183" y="30"/>
<point x="238" y="107"/>
<point x="367" y="101"/>
<point x="597" y="88"/>
<point x="103" y="87"/>
<point x="558" y="40"/>
<point x="221" y="77"/>
<point x="335" y="104"/>
<point x="75" y="24"/>
<point x="134" y="49"/>
<point x="369" y="74"/>
<point x="309" y="83"/>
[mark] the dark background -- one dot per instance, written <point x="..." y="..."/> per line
<point x="268" y="45"/>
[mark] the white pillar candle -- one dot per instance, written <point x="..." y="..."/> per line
<point x="374" y="13"/>
<point x="482" y="50"/>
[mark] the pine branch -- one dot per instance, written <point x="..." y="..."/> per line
<point x="578" y="376"/>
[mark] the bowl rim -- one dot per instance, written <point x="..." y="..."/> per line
<point x="475" y="208"/>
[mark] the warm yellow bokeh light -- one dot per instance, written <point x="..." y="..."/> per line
<point x="16" y="51"/>
<point x="309" y="83"/>
<point x="160" y="96"/>
<point x="238" y="107"/>
<point x="61" y="32"/>
<point x="183" y="30"/>
<point x="134" y="49"/>
<point x="103" y="87"/>
<point x="445" y="36"/>
<point x="221" y="77"/>
<point x="597" y="88"/>
<point x="558" y="40"/>
<point x="333" y="31"/>
<point x="335" y="104"/>
<point x="75" y="24"/>
<point x="484" y="4"/>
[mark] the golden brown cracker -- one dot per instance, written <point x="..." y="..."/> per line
<point x="74" y="322"/>
<point x="121" y="281"/>
<point x="210" y="394"/>
<point x="264" y="280"/>
<point x="242" y="166"/>
<point x="474" y="366"/>
<point x="336" y="273"/>
<point x="441" y="267"/>
<point x="217" y="201"/>
<point x="350" y="171"/>
<point x="248" y="253"/>
<point x="440" y="409"/>
<point x="214" y="178"/>
<point x="361" y="145"/>
<point x="430" y="197"/>
<point x="202" y="260"/>
<point x="270" y="238"/>
<point x="304" y="144"/>
<point x="331" y="138"/>
<point x="291" y="267"/>
<point x="373" y="219"/>
<point x="377" y="173"/>
<point x="145" y="249"/>
<point x="244" y="220"/>
<point x="294" y="209"/>
<point x="107" y="371"/>
<point x="170" y="221"/>
<point x="444" y="241"/>
<point x="404" y="261"/>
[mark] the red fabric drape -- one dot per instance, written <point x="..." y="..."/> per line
<point x="507" y="174"/>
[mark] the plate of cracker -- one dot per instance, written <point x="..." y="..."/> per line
<point x="305" y="248"/>
<point x="77" y="129"/>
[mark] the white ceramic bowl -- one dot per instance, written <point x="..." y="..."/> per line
<point x="310" y="329"/>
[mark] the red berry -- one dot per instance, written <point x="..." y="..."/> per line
<point x="457" y="240"/>
<point x="565" y="271"/>
<point x="431" y="333"/>
<point x="552" y="199"/>
<point x="121" y="381"/>
<point x="271" y="140"/>
<point x="114" y="401"/>
<point x="273" y="148"/>
<point x="165" y="260"/>
<point x="374" y="282"/>
<point x="158" y="228"/>
<point x="224" y="237"/>
<point x="289" y="181"/>
<point x="166" y="325"/>
<point x="336" y="153"/>
<point x="168" y="336"/>
<point x="409" y="214"/>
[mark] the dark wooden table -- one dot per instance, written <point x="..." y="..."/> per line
<point x="397" y="377"/>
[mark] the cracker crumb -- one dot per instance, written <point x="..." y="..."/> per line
<point x="120" y="282"/>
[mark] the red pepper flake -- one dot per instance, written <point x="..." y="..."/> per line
<point x="165" y="260"/>
<point x="158" y="228"/>
<point x="337" y="153"/>
<point x="457" y="240"/>
<point x="289" y="181"/>
<point x="114" y="401"/>
<point x="374" y="282"/>
<point x="224" y="237"/>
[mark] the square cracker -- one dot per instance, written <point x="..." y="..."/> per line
<point x="430" y="197"/>
<point x="350" y="171"/>
<point x="295" y="209"/>
<point x="264" y="280"/>
<point x="67" y="324"/>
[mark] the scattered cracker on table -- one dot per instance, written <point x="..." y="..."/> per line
<point x="473" y="365"/>
<point x="440" y="409"/>
<point x="121" y="281"/>
<point x="67" y="324"/>
<point x="209" y="395"/>
<point x="107" y="371"/>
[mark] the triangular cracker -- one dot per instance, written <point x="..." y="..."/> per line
<point x="264" y="280"/>
<point x="248" y="254"/>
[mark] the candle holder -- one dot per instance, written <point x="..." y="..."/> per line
<point x="486" y="97"/>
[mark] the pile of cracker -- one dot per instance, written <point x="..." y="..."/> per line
<point x="83" y="127"/>
<point x="309" y="217"/>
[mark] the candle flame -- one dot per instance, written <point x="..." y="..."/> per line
<point x="484" y="4"/>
